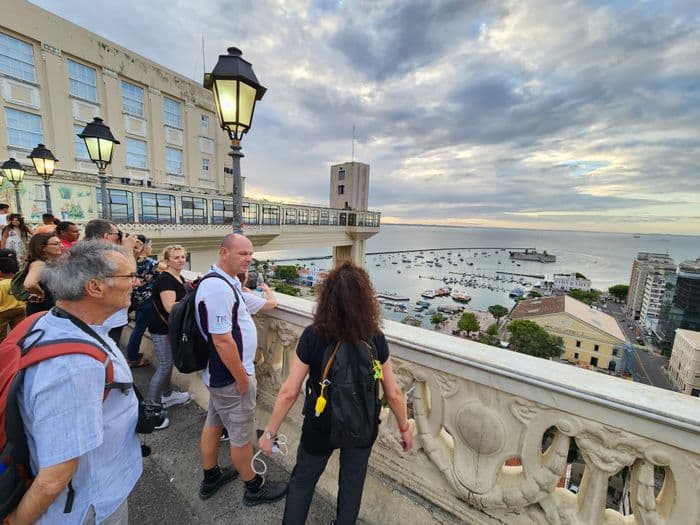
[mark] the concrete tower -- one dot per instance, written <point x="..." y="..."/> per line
<point x="349" y="186"/>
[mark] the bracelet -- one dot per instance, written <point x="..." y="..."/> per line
<point x="405" y="429"/>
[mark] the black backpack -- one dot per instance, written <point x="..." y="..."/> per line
<point x="351" y="375"/>
<point x="190" y="349"/>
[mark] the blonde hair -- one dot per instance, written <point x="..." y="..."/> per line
<point x="168" y="251"/>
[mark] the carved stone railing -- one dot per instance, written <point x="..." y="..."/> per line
<point x="478" y="409"/>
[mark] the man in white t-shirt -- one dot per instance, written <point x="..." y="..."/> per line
<point x="224" y="320"/>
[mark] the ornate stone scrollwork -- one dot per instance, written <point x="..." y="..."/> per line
<point x="276" y="342"/>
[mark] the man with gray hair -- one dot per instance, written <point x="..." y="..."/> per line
<point x="84" y="449"/>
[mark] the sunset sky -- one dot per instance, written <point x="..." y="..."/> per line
<point x="579" y="115"/>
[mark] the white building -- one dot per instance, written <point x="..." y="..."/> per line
<point x="572" y="281"/>
<point x="685" y="362"/>
<point x="658" y="290"/>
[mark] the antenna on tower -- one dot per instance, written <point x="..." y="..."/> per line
<point x="204" y="64"/>
<point x="353" y="143"/>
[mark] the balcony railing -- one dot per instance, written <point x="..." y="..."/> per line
<point x="493" y="430"/>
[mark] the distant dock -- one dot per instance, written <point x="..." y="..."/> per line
<point x="392" y="252"/>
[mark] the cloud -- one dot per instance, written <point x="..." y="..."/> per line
<point x="487" y="111"/>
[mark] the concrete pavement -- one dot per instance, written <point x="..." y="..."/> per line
<point x="167" y="493"/>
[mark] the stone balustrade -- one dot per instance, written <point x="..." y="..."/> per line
<point x="477" y="410"/>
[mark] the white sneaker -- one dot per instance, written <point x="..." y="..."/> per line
<point x="165" y="424"/>
<point x="175" y="398"/>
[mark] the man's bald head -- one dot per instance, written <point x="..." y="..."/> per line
<point x="235" y="254"/>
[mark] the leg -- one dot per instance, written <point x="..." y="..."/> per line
<point x="160" y="382"/>
<point x="302" y="484"/>
<point x="142" y="315"/>
<point x="209" y="445"/>
<point x="353" y="469"/>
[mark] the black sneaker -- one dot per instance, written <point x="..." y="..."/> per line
<point x="269" y="492"/>
<point x="208" y="489"/>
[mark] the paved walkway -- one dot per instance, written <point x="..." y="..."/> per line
<point x="168" y="490"/>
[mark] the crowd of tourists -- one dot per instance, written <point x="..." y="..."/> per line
<point x="64" y="301"/>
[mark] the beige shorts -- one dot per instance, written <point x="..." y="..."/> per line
<point x="234" y="411"/>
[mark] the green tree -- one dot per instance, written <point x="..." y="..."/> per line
<point x="619" y="291"/>
<point x="492" y="329"/>
<point x="588" y="297"/>
<point x="490" y="337"/>
<point x="469" y="323"/>
<point x="436" y="319"/>
<point x="286" y="272"/>
<point x="580" y="276"/>
<point x="287" y="289"/>
<point x="533" y="294"/>
<point x="498" y="311"/>
<point x="527" y="337"/>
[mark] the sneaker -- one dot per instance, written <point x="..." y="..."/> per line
<point x="207" y="490"/>
<point x="269" y="492"/>
<point x="176" y="398"/>
<point x="165" y="424"/>
<point x="224" y="435"/>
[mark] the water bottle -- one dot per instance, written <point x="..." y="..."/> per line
<point x="260" y="283"/>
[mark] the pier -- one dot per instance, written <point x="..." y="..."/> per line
<point x="533" y="275"/>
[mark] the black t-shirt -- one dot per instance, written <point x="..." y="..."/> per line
<point x="315" y="437"/>
<point x="164" y="281"/>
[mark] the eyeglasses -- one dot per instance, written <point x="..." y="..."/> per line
<point x="133" y="276"/>
<point x="53" y="243"/>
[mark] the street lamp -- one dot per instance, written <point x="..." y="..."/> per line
<point x="44" y="163"/>
<point x="14" y="172"/>
<point x="236" y="89"/>
<point x="100" y="142"/>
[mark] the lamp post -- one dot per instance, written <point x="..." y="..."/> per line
<point x="44" y="164"/>
<point x="100" y="142"/>
<point x="236" y="90"/>
<point x="14" y="172"/>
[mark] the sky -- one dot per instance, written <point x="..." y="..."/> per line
<point x="580" y="115"/>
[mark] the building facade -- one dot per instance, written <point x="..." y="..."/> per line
<point x="659" y="290"/>
<point x="684" y="366"/>
<point x="55" y="77"/>
<point x="349" y="186"/>
<point x="642" y="264"/>
<point x="592" y="339"/>
<point x="683" y="311"/>
<point x="568" y="282"/>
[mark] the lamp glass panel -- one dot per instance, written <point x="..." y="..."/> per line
<point x="93" y="146"/>
<point x="49" y="165"/>
<point x="39" y="165"/>
<point x="14" y="174"/>
<point x="246" y="104"/>
<point x="106" y="148"/>
<point x="226" y="100"/>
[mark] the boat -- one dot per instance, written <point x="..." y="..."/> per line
<point x="442" y="292"/>
<point x="461" y="297"/>
<point x="392" y="296"/>
<point x="411" y="321"/>
<point x="516" y="292"/>
<point x="449" y="308"/>
<point x="428" y="294"/>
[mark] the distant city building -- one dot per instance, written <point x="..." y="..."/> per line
<point x="641" y="266"/>
<point x="684" y="365"/>
<point x="659" y="290"/>
<point x="684" y="310"/>
<point x="591" y="337"/>
<point x="568" y="282"/>
<point x="349" y="186"/>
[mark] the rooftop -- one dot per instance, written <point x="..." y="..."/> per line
<point x="691" y="336"/>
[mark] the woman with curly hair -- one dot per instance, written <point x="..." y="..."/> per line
<point x="347" y="311"/>
<point x="16" y="236"/>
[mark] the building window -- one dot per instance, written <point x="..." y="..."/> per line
<point x="132" y="99"/>
<point x="594" y="361"/>
<point x="270" y="214"/>
<point x="341" y="190"/>
<point x="324" y="217"/>
<point x="81" y="151"/>
<point x="596" y="348"/>
<point x="313" y="217"/>
<point x="172" y="113"/>
<point x="136" y="153"/>
<point x="205" y="169"/>
<point x="194" y="210"/>
<point x="575" y="355"/>
<point x="250" y="213"/>
<point x="83" y="81"/>
<point x="173" y="161"/>
<point x="205" y="124"/>
<point x="341" y="174"/>
<point x="614" y="352"/>
<point x="221" y="212"/>
<point x="290" y="216"/>
<point x="334" y="218"/>
<point x="303" y="216"/>
<point x="121" y="204"/>
<point x="23" y="129"/>
<point x="578" y="344"/>
<point x="17" y="58"/>
<point x="155" y="207"/>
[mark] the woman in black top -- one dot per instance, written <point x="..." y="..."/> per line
<point x="168" y="289"/>
<point x="346" y="311"/>
<point x="43" y="248"/>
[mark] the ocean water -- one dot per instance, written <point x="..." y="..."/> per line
<point x="605" y="258"/>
